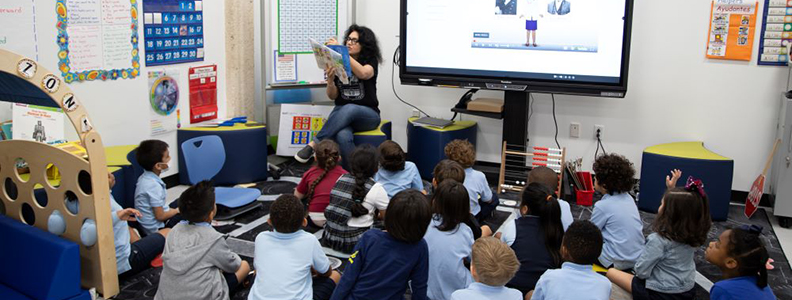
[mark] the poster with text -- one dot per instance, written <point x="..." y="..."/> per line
<point x="298" y="126"/>
<point x="18" y="27"/>
<point x="731" y="30"/>
<point x="164" y="100"/>
<point x="37" y="123"/>
<point x="173" y="30"/>
<point x="98" y="39"/>
<point x="203" y="93"/>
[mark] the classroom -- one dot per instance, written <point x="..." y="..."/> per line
<point x="404" y="149"/>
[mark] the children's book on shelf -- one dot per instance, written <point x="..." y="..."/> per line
<point x="333" y="56"/>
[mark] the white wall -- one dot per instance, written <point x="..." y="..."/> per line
<point x="120" y="109"/>
<point x="674" y="94"/>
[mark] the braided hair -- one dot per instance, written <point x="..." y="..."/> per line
<point x="327" y="156"/>
<point x="747" y="248"/>
<point x="363" y="166"/>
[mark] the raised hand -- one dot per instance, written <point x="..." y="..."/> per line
<point x="672" y="180"/>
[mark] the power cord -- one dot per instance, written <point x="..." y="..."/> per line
<point x="599" y="145"/>
<point x="555" y="121"/>
<point x="530" y="113"/>
<point x="396" y="63"/>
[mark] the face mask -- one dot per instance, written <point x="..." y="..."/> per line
<point x="164" y="167"/>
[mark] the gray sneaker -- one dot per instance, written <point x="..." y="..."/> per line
<point x="304" y="155"/>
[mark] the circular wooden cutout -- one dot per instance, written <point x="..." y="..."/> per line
<point x="27" y="68"/>
<point x="50" y="83"/>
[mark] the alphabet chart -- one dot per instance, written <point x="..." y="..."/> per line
<point x="173" y="31"/>
<point x="301" y="20"/>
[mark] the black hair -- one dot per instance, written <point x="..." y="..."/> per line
<point x="287" y="213"/>
<point x="614" y="173"/>
<point x="450" y="204"/>
<point x="448" y="169"/>
<point x="583" y="242"/>
<point x="369" y="46"/>
<point x="327" y="156"/>
<point x="408" y="216"/>
<point x="363" y="166"/>
<point x="685" y="217"/>
<point x="391" y="156"/>
<point x="197" y="202"/>
<point x="535" y="197"/>
<point x="748" y="249"/>
<point x="149" y="153"/>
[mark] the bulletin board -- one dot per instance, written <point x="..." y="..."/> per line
<point x="295" y="67"/>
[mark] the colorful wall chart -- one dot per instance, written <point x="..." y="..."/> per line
<point x="731" y="31"/>
<point x="299" y="20"/>
<point x="776" y="33"/>
<point x="298" y="126"/>
<point x="164" y="100"/>
<point x="173" y="31"/>
<point x="18" y="27"/>
<point x="98" y="39"/>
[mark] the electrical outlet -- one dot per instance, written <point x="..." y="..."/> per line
<point x="416" y="113"/>
<point x="574" y="129"/>
<point x="599" y="129"/>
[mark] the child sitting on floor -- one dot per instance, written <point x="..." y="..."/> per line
<point x="482" y="200"/>
<point x="385" y="262"/>
<point x="449" y="241"/>
<point x="286" y="257"/>
<point x="576" y="278"/>
<point x="666" y="269"/>
<point x="318" y="181"/>
<point x="549" y="178"/>
<point x="538" y="236"/>
<point x="197" y="263"/>
<point x="353" y="201"/>
<point x="616" y="213"/>
<point x="449" y="169"/>
<point x="150" y="193"/>
<point x="396" y="174"/>
<point x="493" y="264"/>
<point x="741" y="256"/>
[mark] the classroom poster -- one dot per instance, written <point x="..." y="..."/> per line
<point x="285" y="67"/>
<point x="37" y="123"/>
<point x="776" y="33"/>
<point x="173" y="30"/>
<point x="299" y="20"/>
<point x="203" y="93"/>
<point x="731" y="29"/>
<point x="98" y="39"/>
<point x="298" y="126"/>
<point x="18" y="27"/>
<point x="164" y="100"/>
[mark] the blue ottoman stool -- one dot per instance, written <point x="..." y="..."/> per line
<point x="693" y="159"/>
<point x="374" y="137"/>
<point x="425" y="144"/>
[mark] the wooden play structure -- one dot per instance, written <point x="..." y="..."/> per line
<point x="35" y="85"/>
<point x="516" y="162"/>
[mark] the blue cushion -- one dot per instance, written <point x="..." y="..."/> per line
<point x="36" y="263"/>
<point x="235" y="197"/>
<point x="9" y="294"/>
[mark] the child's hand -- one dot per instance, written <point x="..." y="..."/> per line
<point x="128" y="214"/>
<point x="672" y="180"/>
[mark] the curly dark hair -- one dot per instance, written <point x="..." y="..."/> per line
<point x="614" y="173"/>
<point x="391" y="156"/>
<point x="749" y="251"/>
<point x="461" y="151"/>
<point x="583" y="242"/>
<point x="369" y="46"/>
<point x="327" y="157"/>
<point x="685" y="217"/>
<point x="287" y="214"/>
<point x="363" y="166"/>
<point x="197" y="202"/>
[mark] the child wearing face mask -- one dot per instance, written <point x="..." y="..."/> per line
<point x="153" y="156"/>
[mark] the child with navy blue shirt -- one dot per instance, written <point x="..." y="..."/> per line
<point x="395" y="173"/>
<point x="285" y="257"/>
<point x="384" y="262"/>
<point x="616" y="213"/>
<point x="482" y="200"/>
<point x="493" y="264"/>
<point x="150" y="193"/>
<point x="742" y="257"/>
<point x="450" y="241"/>
<point x="576" y="278"/>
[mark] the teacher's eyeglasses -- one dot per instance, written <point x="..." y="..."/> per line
<point x="351" y="41"/>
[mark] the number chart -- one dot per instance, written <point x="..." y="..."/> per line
<point x="299" y="20"/>
<point x="173" y="31"/>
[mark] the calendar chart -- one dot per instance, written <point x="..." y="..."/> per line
<point x="301" y="20"/>
<point x="173" y="31"/>
<point x="776" y="33"/>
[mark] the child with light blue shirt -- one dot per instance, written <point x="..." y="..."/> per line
<point x="493" y="265"/>
<point x="285" y="257"/>
<point x="482" y="200"/>
<point x="449" y="241"/>
<point x="396" y="174"/>
<point x="576" y="278"/>
<point x="616" y="213"/>
<point x="150" y="193"/>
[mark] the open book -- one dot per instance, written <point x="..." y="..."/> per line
<point x="333" y="56"/>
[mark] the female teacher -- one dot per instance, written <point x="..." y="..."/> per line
<point x="356" y="105"/>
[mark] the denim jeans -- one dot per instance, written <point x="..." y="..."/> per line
<point x="343" y="122"/>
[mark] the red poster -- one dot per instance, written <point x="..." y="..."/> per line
<point x="203" y="93"/>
